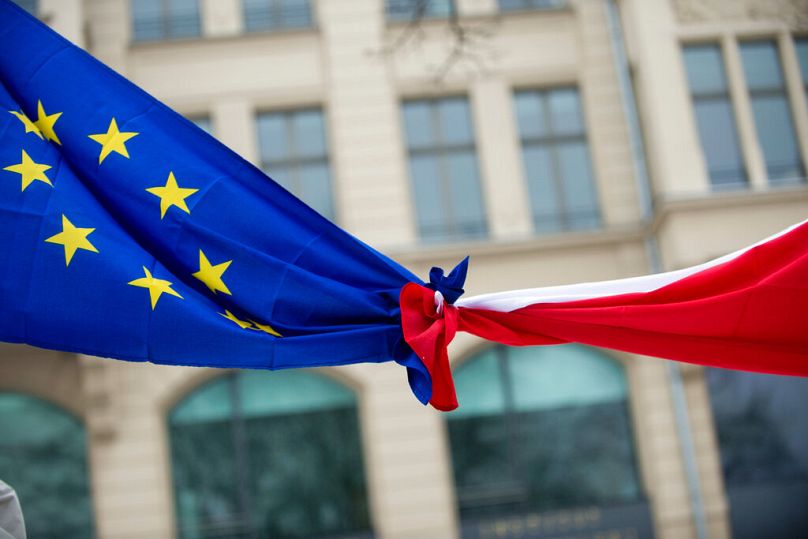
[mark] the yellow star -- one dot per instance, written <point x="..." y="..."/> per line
<point x="230" y="316"/>
<point x="212" y="275"/>
<point x="112" y="141"/>
<point x="156" y="286"/>
<point x="30" y="127"/>
<point x="30" y="171"/>
<point x="45" y="123"/>
<point x="72" y="238"/>
<point x="266" y="328"/>
<point x="172" y="195"/>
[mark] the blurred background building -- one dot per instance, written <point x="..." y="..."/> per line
<point x="554" y="141"/>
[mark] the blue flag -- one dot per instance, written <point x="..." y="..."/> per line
<point x="128" y="232"/>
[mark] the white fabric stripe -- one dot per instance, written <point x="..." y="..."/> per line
<point x="517" y="299"/>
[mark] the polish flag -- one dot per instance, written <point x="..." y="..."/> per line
<point x="747" y="311"/>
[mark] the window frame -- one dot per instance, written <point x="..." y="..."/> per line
<point x="276" y="7"/>
<point x="510" y="416"/>
<point x="165" y="24"/>
<point x="441" y="151"/>
<point x="782" y="90"/>
<point x="293" y="161"/>
<point x="550" y="141"/>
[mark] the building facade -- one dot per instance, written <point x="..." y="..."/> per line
<point x="579" y="140"/>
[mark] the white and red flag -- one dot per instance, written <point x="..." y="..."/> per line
<point x="747" y="311"/>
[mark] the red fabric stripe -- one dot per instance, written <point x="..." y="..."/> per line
<point x="750" y="313"/>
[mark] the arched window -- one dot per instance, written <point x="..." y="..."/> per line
<point x="43" y="456"/>
<point x="268" y="454"/>
<point x="763" y="438"/>
<point x="544" y="429"/>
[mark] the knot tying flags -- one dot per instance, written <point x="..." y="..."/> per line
<point x="429" y="322"/>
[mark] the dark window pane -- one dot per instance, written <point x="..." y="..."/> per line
<point x="777" y="138"/>
<point x="28" y="5"/>
<point x="565" y="112"/>
<point x="530" y="113"/>
<point x="464" y="197"/>
<point x="519" y="5"/>
<point x="429" y="196"/>
<point x="544" y="195"/>
<point x="553" y="432"/>
<point x="165" y="19"/>
<point x="761" y="62"/>
<point x="580" y="198"/>
<point x="309" y="133"/>
<point x="714" y="116"/>
<point x="287" y="453"/>
<point x="183" y="18"/>
<point x="259" y="15"/>
<point x="276" y="14"/>
<point x="764" y="451"/>
<point x="719" y="141"/>
<point x="273" y="137"/>
<point x="314" y="186"/>
<point x="705" y="69"/>
<point x="455" y="122"/>
<point x="203" y="123"/>
<point x="295" y="13"/>
<point x="43" y="456"/>
<point x="147" y="18"/>
<point x="407" y="10"/>
<point x="419" y="124"/>
<point x="802" y="56"/>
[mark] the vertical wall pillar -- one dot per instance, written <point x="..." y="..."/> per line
<point x="366" y="137"/>
<point x="675" y="159"/>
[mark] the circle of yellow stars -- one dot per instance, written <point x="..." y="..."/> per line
<point x="73" y="238"/>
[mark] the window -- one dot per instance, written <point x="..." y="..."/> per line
<point x="202" y="122"/>
<point x="165" y="19"/>
<point x="772" y="112"/>
<point x="409" y="10"/>
<point x="294" y="153"/>
<point x="28" y="5"/>
<point x="276" y="14"/>
<point x="543" y="429"/>
<point x="443" y="168"/>
<point x="556" y="160"/>
<point x="801" y="45"/>
<point x="43" y="456"/>
<point x="714" y="116"/>
<point x="523" y="5"/>
<point x="268" y="454"/>
<point x="763" y="439"/>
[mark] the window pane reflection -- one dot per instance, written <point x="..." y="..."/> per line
<point x="43" y="456"/>
<point x="763" y="439"/>
<point x="541" y="429"/>
<point x="287" y="453"/>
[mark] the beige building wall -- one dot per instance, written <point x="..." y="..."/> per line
<point x="340" y="65"/>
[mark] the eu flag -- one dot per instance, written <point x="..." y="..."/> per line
<point x="128" y="232"/>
